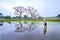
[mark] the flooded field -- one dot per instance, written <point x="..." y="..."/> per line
<point x="29" y="31"/>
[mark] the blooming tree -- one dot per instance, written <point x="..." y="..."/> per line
<point x="19" y="10"/>
<point x="31" y="11"/>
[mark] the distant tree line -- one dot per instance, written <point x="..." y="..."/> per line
<point x="9" y="17"/>
<point x="4" y="17"/>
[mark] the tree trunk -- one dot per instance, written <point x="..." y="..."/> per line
<point x="20" y="15"/>
<point x="32" y="16"/>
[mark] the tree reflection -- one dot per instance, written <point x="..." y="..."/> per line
<point x="25" y="22"/>
<point x="1" y="24"/>
<point x="9" y="22"/>
<point x="21" y="27"/>
<point x="31" y="26"/>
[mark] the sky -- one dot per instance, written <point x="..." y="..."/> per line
<point x="46" y="8"/>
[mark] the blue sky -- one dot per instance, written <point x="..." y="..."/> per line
<point x="46" y="8"/>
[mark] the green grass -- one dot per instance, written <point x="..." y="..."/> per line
<point x="5" y="20"/>
<point x="8" y="20"/>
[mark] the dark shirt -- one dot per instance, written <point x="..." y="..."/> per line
<point x="45" y="24"/>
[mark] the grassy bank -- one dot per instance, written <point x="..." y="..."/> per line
<point x="9" y="20"/>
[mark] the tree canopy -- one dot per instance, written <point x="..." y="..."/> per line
<point x="7" y="17"/>
<point x="0" y="13"/>
<point x="58" y="15"/>
<point x="30" y="10"/>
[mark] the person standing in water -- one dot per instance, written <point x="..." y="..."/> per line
<point x="45" y="23"/>
<point x="45" y="26"/>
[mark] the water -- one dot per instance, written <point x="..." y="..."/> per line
<point x="29" y="31"/>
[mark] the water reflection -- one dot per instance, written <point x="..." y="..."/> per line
<point x="25" y="22"/>
<point x="1" y="23"/>
<point x="31" y="26"/>
<point x="29" y="31"/>
<point x="20" y="27"/>
<point x="9" y="22"/>
<point x="45" y="29"/>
